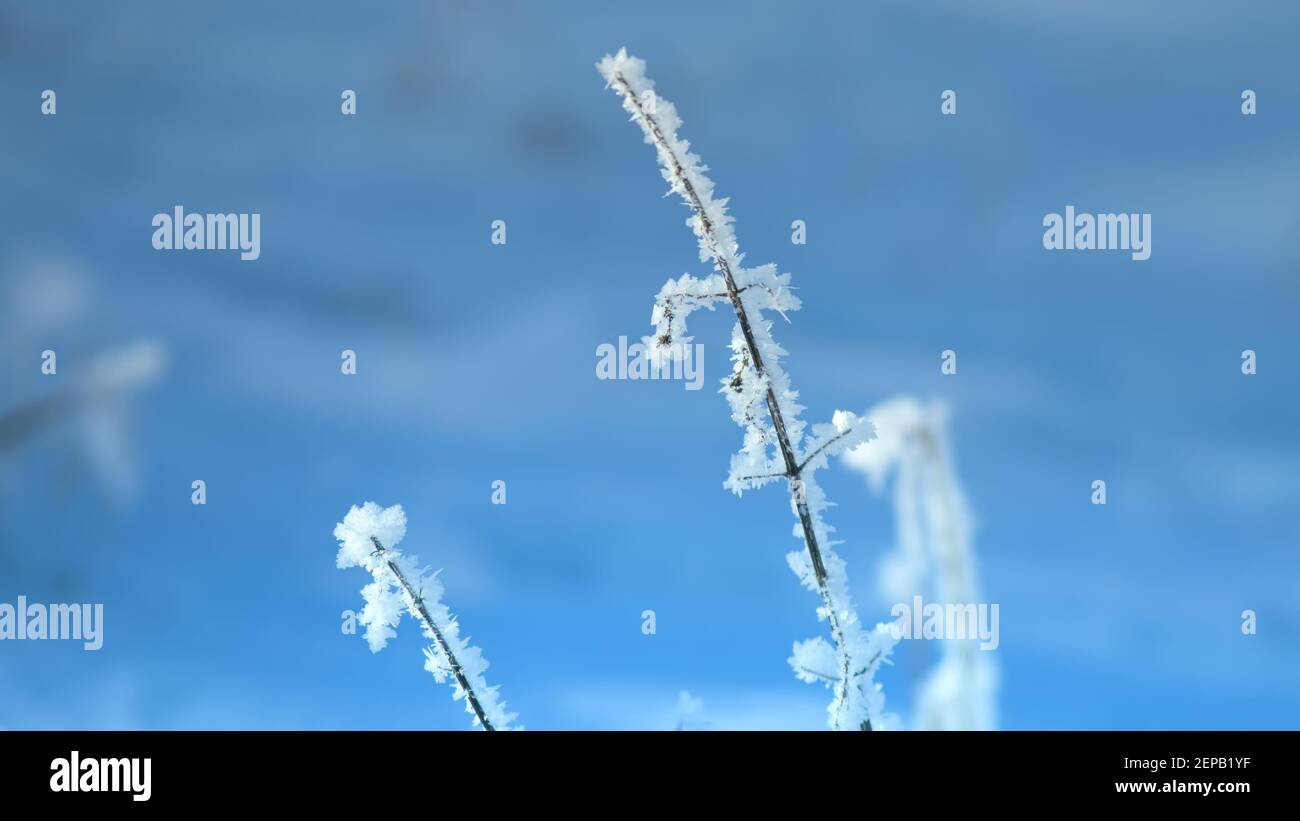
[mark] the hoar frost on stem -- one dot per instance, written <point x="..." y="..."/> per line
<point x="367" y="537"/>
<point x="776" y="445"/>
<point x="934" y="557"/>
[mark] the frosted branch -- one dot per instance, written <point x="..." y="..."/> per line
<point x="367" y="537"/>
<point x="758" y="390"/>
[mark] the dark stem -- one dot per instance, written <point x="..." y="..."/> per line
<point x="418" y="602"/>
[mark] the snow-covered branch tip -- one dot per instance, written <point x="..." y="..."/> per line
<point x="776" y="444"/>
<point x="367" y="538"/>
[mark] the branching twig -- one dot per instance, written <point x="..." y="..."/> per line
<point x="792" y="467"/>
<point x="752" y="375"/>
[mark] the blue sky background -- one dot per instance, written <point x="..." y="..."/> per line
<point x="476" y="362"/>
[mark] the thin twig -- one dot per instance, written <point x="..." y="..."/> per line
<point x="823" y="447"/>
<point x="417" y="601"/>
<point x="764" y="476"/>
<point x="820" y="675"/>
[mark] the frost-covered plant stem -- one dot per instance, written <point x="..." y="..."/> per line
<point x="367" y="537"/>
<point x="417" y="603"/>
<point x="757" y="378"/>
<point x="793" y="469"/>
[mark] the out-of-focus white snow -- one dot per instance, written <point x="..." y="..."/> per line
<point x="933" y="557"/>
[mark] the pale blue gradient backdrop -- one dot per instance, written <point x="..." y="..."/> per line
<point x="477" y="362"/>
